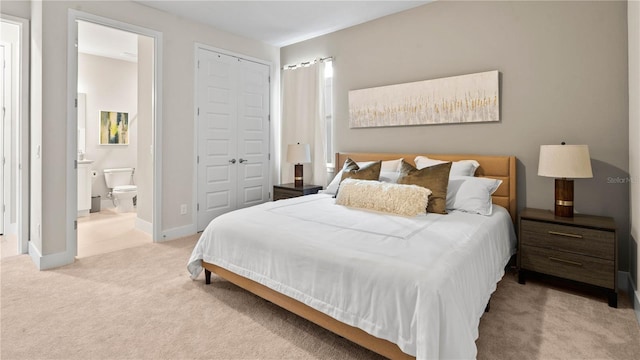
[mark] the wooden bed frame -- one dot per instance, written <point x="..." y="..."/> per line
<point x="498" y="167"/>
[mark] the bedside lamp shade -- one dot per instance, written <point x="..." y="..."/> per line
<point x="298" y="154"/>
<point x="563" y="162"/>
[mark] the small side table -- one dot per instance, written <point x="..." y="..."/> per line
<point x="286" y="191"/>
<point x="582" y="248"/>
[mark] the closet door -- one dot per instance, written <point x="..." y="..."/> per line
<point x="253" y="134"/>
<point x="233" y="134"/>
<point x="217" y="92"/>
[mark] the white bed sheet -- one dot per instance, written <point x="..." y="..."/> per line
<point x="421" y="283"/>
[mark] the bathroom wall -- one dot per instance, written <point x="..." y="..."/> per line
<point x="111" y="85"/>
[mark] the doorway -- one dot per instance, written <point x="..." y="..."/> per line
<point x="115" y="123"/>
<point x="14" y="135"/>
<point x="141" y="150"/>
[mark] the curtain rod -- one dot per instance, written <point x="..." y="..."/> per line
<point x="306" y="63"/>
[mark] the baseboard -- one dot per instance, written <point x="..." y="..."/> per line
<point x="178" y="232"/>
<point x="46" y="262"/>
<point x="636" y="305"/>
<point x="144" y="226"/>
<point x="624" y="280"/>
<point x="634" y="294"/>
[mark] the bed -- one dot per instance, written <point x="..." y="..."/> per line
<point x="370" y="277"/>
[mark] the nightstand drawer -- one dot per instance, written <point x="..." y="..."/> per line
<point x="282" y="193"/>
<point x="581" y="268"/>
<point x="591" y="242"/>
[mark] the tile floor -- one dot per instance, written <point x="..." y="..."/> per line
<point x="108" y="231"/>
<point x="99" y="233"/>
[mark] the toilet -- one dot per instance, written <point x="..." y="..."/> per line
<point x="122" y="191"/>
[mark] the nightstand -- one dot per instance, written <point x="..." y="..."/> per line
<point x="582" y="248"/>
<point x="285" y="191"/>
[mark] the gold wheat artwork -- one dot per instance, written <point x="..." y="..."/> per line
<point x="458" y="99"/>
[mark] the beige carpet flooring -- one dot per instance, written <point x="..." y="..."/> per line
<point x="140" y="303"/>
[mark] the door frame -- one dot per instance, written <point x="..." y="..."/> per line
<point x="6" y="84"/>
<point x="72" y="133"/>
<point x="197" y="46"/>
<point x="23" y="131"/>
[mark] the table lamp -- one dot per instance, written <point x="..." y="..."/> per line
<point x="298" y="154"/>
<point x="565" y="163"/>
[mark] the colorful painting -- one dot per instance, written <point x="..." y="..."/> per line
<point x="114" y="128"/>
<point x="458" y="99"/>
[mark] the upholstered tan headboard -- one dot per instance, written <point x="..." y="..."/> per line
<point x="497" y="167"/>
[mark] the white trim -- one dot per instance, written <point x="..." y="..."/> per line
<point x="144" y="226"/>
<point x="179" y="232"/>
<point x="634" y="294"/>
<point x="72" y="136"/>
<point x="636" y="305"/>
<point x="623" y="282"/>
<point x="49" y="261"/>
<point x="22" y="180"/>
<point x="231" y="53"/>
<point x="72" y="83"/>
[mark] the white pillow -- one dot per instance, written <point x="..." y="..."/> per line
<point x="399" y="199"/>
<point x="458" y="168"/>
<point x="389" y="172"/>
<point x="471" y="194"/>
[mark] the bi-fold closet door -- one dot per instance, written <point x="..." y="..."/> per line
<point x="233" y="134"/>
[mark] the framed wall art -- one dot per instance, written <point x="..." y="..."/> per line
<point x="458" y="99"/>
<point x="114" y="128"/>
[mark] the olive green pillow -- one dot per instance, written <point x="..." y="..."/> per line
<point x="434" y="178"/>
<point x="351" y="170"/>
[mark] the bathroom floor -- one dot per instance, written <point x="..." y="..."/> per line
<point x="9" y="245"/>
<point x="108" y="231"/>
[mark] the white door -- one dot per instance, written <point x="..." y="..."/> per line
<point x="253" y="134"/>
<point x="5" y="99"/>
<point x="233" y="134"/>
<point x="217" y="141"/>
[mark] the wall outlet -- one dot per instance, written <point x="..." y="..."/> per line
<point x="183" y="209"/>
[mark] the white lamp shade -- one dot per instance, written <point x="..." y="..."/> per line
<point x="565" y="161"/>
<point x="299" y="153"/>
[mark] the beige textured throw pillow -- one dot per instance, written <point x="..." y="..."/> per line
<point x="434" y="178"/>
<point x="405" y="200"/>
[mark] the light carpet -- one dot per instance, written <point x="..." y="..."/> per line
<point x="140" y="303"/>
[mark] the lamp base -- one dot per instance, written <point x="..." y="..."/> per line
<point x="298" y="177"/>
<point x="564" y="198"/>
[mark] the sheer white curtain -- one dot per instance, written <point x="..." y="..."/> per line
<point x="303" y="120"/>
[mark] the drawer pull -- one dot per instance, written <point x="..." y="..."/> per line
<point x="574" y="263"/>
<point x="565" y="234"/>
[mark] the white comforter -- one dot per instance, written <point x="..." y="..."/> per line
<point x="421" y="283"/>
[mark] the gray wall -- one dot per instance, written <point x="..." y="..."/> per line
<point x="563" y="69"/>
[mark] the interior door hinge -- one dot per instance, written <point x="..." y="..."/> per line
<point x="269" y="157"/>
<point x="198" y="64"/>
<point x="269" y="117"/>
<point x="198" y="111"/>
<point x="76" y="103"/>
<point x="198" y="207"/>
<point x="198" y="159"/>
<point x="75" y="224"/>
<point x="75" y="164"/>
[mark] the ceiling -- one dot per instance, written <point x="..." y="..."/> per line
<point x="277" y="23"/>
<point x="282" y="23"/>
